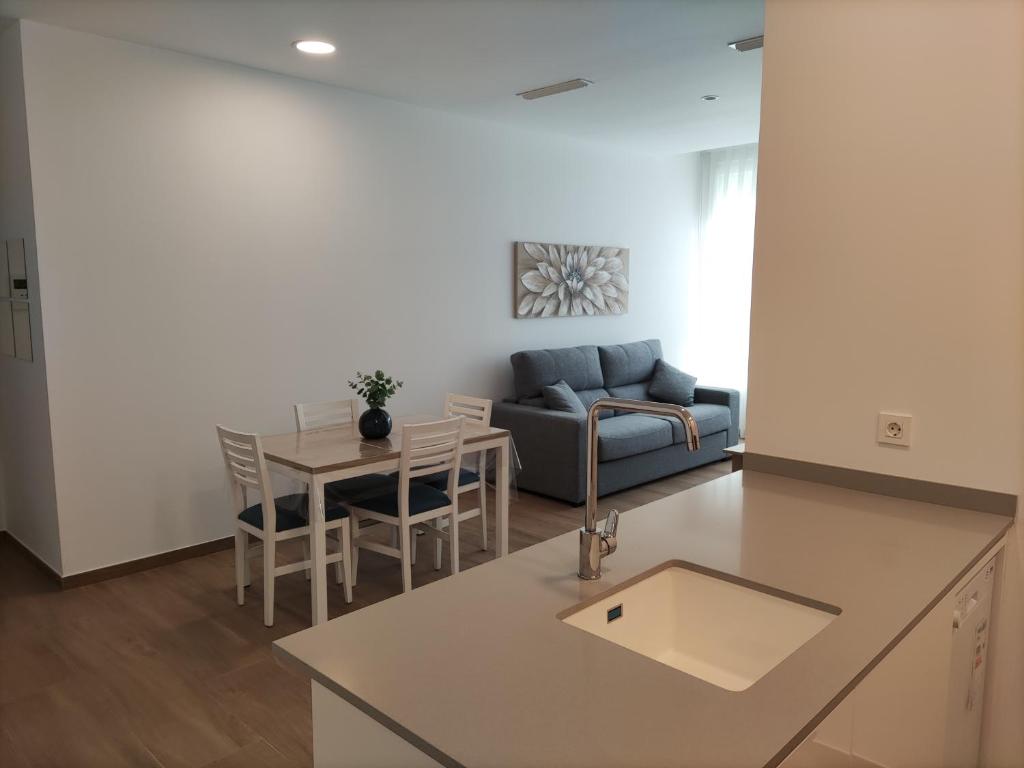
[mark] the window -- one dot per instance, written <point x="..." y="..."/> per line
<point x="718" y="335"/>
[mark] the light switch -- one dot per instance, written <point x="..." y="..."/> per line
<point x="18" y="269"/>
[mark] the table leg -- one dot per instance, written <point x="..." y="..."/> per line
<point x="501" y="501"/>
<point x="318" y="548"/>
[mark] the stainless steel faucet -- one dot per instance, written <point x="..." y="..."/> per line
<point x="594" y="544"/>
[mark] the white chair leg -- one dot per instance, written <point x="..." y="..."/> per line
<point x="346" y="562"/>
<point x="413" y="545"/>
<point x="339" y="573"/>
<point x="305" y="556"/>
<point x="353" y="549"/>
<point x="482" y="493"/>
<point x="247" y="571"/>
<point x="453" y="538"/>
<point x="240" y="563"/>
<point x="268" y="581"/>
<point x="405" y="535"/>
<point x="437" y="545"/>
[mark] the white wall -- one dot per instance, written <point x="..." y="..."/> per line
<point x="28" y="505"/>
<point x="219" y="242"/>
<point x="889" y="258"/>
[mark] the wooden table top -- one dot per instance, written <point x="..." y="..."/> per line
<point x="327" y="450"/>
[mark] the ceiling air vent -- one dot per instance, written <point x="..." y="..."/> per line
<point x="748" y="44"/>
<point x="551" y="90"/>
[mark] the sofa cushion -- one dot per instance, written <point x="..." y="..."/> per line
<point x="636" y="391"/>
<point x="579" y="367"/>
<point x="631" y="434"/>
<point x="670" y="385"/>
<point x="710" y="419"/>
<point x="628" y="363"/>
<point x="588" y="396"/>
<point x="560" y="397"/>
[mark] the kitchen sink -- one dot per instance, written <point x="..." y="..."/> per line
<point x="723" y="630"/>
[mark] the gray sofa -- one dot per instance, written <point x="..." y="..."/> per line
<point x="632" y="448"/>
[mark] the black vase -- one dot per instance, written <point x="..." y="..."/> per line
<point x="375" y="424"/>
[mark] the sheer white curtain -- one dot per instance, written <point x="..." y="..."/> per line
<point x="719" y="308"/>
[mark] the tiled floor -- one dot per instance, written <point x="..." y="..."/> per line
<point x="161" y="668"/>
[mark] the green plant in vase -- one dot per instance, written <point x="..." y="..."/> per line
<point x="375" y="389"/>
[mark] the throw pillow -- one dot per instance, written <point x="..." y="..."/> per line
<point x="560" y="397"/>
<point x="670" y="385"/>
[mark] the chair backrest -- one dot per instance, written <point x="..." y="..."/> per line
<point x="428" y="448"/>
<point x="330" y="413"/>
<point x="246" y="467"/>
<point x="473" y="408"/>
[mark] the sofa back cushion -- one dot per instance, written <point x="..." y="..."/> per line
<point x="623" y="364"/>
<point x="636" y="391"/>
<point x="561" y="397"/>
<point x="588" y="396"/>
<point x="670" y="385"/>
<point x="579" y="367"/>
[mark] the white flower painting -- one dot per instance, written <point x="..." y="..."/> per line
<point x="571" y="280"/>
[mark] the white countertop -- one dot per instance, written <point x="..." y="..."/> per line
<point x="477" y="670"/>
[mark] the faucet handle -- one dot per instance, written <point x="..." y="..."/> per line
<point x="611" y="525"/>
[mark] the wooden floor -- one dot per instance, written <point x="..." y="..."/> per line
<point x="161" y="668"/>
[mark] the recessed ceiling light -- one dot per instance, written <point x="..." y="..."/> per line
<point x="709" y="97"/>
<point x="748" y="44"/>
<point x="316" y="47"/>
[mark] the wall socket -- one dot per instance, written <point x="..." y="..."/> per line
<point x="894" y="428"/>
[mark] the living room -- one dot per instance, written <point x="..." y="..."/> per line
<point x="204" y="225"/>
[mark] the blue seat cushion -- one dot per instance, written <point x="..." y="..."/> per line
<point x="631" y="434"/>
<point x="291" y="512"/>
<point x="422" y="498"/>
<point x="439" y="480"/>
<point x="355" y="488"/>
<point x="710" y="419"/>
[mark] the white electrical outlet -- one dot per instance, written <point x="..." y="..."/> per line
<point x="894" y="428"/>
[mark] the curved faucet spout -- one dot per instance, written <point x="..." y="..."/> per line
<point x="594" y="544"/>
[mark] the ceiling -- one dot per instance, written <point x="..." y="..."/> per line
<point x="650" y="60"/>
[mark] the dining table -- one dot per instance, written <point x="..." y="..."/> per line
<point x="321" y="456"/>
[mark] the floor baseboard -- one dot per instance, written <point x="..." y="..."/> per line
<point x="120" y="569"/>
<point x="145" y="563"/>
<point x="37" y="561"/>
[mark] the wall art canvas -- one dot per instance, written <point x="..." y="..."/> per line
<point x="554" y="280"/>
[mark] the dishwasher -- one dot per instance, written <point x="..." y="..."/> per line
<point x="972" y="610"/>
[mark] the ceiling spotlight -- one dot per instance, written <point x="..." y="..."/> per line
<point x="748" y="44"/>
<point x="316" y="47"/>
<point x="551" y="90"/>
<point x="709" y="97"/>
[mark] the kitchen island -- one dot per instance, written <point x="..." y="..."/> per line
<point x="479" y="670"/>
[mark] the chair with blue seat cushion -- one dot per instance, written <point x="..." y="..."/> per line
<point x="440" y="479"/>
<point x="426" y="449"/>
<point x="332" y="414"/>
<point x="247" y="471"/>
<point x="422" y="498"/>
<point x="471" y="478"/>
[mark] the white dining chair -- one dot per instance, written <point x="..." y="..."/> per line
<point x="272" y="520"/>
<point x="339" y="413"/>
<point x="328" y="413"/>
<point x="472" y="477"/>
<point x="426" y="449"/>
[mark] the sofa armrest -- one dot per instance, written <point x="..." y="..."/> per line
<point x="722" y="396"/>
<point x="551" y="447"/>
